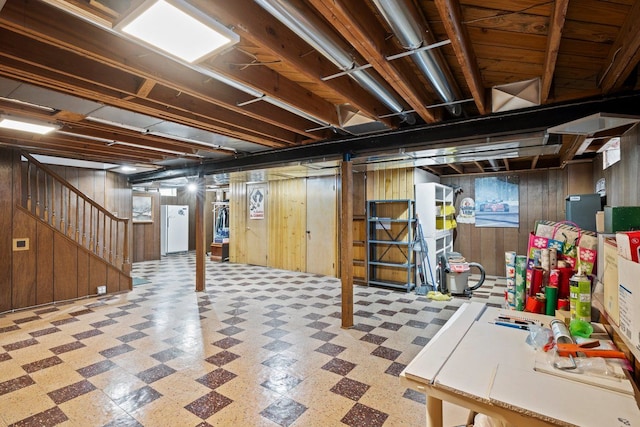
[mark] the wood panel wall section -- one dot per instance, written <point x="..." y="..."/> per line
<point x="146" y="235"/>
<point x="622" y="178"/>
<point x="542" y="196"/>
<point x="6" y="221"/>
<point x="238" y="222"/>
<point x="359" y="228"/>
<point x="54" y="268"/>
<point x="286" y="213"/>
<point x="185" y="197"/>
<point x="391" y="184"/>
<point x="287" y="224"/>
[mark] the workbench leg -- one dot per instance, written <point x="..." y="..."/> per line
<point x="434" y="412"/>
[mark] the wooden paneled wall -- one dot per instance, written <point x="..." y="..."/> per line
<point x="238" y="214"/>
<point x="622" y="179"/>
<point x="7" y="187"/>
<point x="286" y="234"/>
<point x="542" y="195"/>
<point x="185" y="197"/>
<point x="287" y="224"/>
<point x="391" y="184"/>
<point x="146" y="235"/>
<point x="54" y="268"/>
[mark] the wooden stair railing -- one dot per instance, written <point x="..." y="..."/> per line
<point x="58" y="203"/>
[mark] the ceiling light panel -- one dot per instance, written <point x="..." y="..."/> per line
<point x="26" y="126"/>
<point x="178" y="29"/>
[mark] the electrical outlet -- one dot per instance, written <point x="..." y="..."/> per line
<point x="102" y="290"/>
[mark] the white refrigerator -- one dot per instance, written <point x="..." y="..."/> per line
<point x="174" y="229"/>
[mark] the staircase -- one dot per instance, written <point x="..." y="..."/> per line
<point x="99" y="236"/>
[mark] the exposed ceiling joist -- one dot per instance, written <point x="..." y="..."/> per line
<point x="624" y="54"/>
<point x="358" y="28"/>
<point x="258" y="27"/>
<point x="267" y="99"/>
<point x="556" y="24"/>
<point x="451" y="16"/>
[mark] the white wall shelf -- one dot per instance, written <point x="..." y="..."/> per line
<point x="435" y="212"/>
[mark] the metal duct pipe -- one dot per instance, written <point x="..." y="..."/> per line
<point x="494" y="165"/>
<point x="315" y="32"/>
<point x="410" y="34"/>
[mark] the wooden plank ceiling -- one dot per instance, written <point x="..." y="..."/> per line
<point x="278" y="95"/>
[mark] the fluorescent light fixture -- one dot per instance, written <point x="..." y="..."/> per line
<point x="127" y="168"/>
<point x="25" y="126"/>
<point x="177" y="28"/>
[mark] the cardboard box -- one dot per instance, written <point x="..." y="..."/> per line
<point x="609" y="280"/>
<point x="629" y="300"/>
<point x="600" y="259"/>
<point x="629" y="245"/>
<point x="600" y="221"/>
<point x="621" y="218"/>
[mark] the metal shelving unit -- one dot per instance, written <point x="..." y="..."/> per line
<point x="390" y="243"/>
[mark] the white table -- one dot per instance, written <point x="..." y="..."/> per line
<point x="488" y="368"/>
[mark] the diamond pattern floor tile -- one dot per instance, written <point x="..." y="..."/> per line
<point x="260" y="346"/>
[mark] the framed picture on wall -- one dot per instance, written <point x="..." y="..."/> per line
<point x="497" y="201"/>
<point x="142" y="208"/>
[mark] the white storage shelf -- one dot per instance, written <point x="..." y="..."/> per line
<point x="433" y="202"/>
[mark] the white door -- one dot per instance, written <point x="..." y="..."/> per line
<point x="322" y="222"/>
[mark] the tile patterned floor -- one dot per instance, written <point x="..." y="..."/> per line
<point x="261" y="347"/>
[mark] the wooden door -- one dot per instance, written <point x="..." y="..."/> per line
<point x="322" y="222"/>
<point x="256" y="236"/>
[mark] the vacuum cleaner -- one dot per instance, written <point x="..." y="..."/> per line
<point x="452" y="274"/>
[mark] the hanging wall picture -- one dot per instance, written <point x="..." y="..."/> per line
<point x="497" y="201"/>
<point x="142" y="207"/>
<point x="256" y="203"/>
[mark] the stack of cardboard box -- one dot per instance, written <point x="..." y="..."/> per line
<point x="628" y="268"/>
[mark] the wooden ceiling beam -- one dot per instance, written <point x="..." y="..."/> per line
<point x="360" y="33"/>
<point x="238" y="66"/>
<point x="534" y="162"/>
<point x="149" y="108"/>
<point x="177" y="107"/>
<point x="145" y="88"/>
<point x="479" y="166"/>
<point x="556" y="24"/>
<point x="456" y="168"/>
<point x="624" y="54"/>
<point x="432" y="170"/>
<point x="570" y="147"/>
<point x="451" y="16"/>
<point x="66" y="146"/>
<point x="94" y="131"/>
<point x="257" y="26"/>
<point x="95" y="46"/>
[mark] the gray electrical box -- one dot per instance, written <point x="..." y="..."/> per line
<point x="581" y="209"/>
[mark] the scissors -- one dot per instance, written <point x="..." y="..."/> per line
<point x="587" y="350"/>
